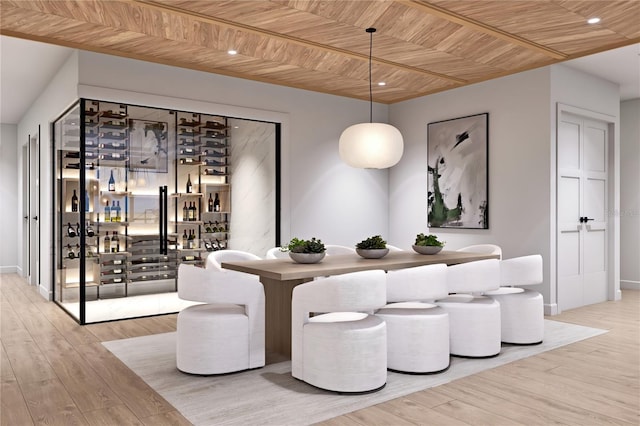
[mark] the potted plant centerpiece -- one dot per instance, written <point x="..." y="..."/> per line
<point x="372" y="248"/>
<point x="305" y="251"/>
<point x="427" y="244"/>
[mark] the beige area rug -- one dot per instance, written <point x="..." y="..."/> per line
<point x="270" y="396"/>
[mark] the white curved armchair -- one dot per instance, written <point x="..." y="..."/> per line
<point x="474" y="321"/>
<point x="333" y="250"/>
<point x="483" y="249"/>
<point x="521" y="310"/>
<point x="344" y="349"/>
<point x="417" y="330"/>
<point x="276" y="253"/>
<point x="226" y="332"/>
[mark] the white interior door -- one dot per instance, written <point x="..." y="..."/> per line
<point x="34" y="210"/>
<point x="582" y="211"/>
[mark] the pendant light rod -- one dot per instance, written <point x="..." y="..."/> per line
<point x="370" y="30"/>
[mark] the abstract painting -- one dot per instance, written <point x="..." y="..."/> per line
<point x="148" y="146"/>
<point x="457" y="173"/>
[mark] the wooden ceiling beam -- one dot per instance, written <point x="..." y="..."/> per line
<point x="271" y="34"/>
<point x="484" y="28"/>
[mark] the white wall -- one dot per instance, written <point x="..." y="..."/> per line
<point x="10" y="211"/>
<point x="630" y="194"/>
<point x="59" y="95"/>
<point x="519" y="168"/>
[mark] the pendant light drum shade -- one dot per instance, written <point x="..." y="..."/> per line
<point x="371" y="145"/>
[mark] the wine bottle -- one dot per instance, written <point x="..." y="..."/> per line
<point x="115" y="243"/>
<point x="114" y="212"/>
<point x="107" y="212"/>
<point x="74" y="202"/>
<point x="86" y="201"/>
<point x="194" y="212"/>
<point x="90" y="231"/>
<point x="189" y="185"/>
<point x="216" y="203"/>
<point x="70" y="253"/>
<point x="185" y="212"/>
<point x="185" y="239"/>
<point x="71" y="233"/>
<point x="118" y="211"/>
<point x="107" y="243"/>
<point x="210" y="203"/>
<point x="112" y="182"/>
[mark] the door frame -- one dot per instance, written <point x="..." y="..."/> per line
<point x="33" y="202"/>
<point x="613" y="203"/>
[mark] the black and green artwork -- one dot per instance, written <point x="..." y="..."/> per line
<point x="457" y="173"/>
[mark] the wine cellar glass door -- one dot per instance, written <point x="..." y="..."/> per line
<point x="137" y="191"/>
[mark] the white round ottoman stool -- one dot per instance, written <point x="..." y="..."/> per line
<point x="345" y="352"/>
<point x="522" y="315"/>
<point x="212" y="339"/>
<point x="408" y="350"/>
<point x="474" y="324"/>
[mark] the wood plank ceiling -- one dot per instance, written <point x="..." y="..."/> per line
<point x="420" y="47"/>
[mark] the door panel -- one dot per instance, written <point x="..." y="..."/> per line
<point x="569" y="150"/>
<point x="595" y="146"/>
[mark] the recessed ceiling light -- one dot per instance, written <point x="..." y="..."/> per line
<point x="593" y="20"/>
<point x="232" y="52"/>
<point x="382" y="83"/>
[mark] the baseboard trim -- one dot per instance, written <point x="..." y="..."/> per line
<point x="551" y="309"/>
<point x="629" y="285"/>
<point x="9" y="269"/>
<point x="45" y="293"/>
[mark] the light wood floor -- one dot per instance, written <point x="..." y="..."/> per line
<point x="56" y="372"/>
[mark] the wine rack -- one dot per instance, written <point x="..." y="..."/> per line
<point x="202" y="158"/>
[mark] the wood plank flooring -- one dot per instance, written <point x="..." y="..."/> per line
<point x="55" y="372"/>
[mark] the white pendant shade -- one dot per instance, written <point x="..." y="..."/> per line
<point x="371" y="145"/>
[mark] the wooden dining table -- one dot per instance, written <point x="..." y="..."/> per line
<point x="280" y="276"/>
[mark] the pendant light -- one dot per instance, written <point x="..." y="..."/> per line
<point x="371" y="145"/>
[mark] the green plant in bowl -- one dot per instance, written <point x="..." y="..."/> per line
<point x="372" y="248"/>
<point x="427" y="244"/>
<point x="297" y="245"/>
<point x="305" y="251"/>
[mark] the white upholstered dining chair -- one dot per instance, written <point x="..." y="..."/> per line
<point x="344" y="349"/>
<point x="483" y="249"/>
<point x="276" y="253"/>
<point x="226" y="332"/>
<point x="333" y="250"/>
<point x="417" y="329"/>
<point x="521" y="310"/>
<point x="474" y="320"/>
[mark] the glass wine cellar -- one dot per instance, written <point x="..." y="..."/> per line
<point x="140" y="190"/>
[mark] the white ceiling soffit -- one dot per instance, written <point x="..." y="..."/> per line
<point x="621" y="66"/>
<point x="26" y="68"/>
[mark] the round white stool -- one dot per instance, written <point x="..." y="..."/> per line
<point x="345" y="352"/>
<point x="407" y="348"/>
<point x="474" y="324"/>
<point x="522" y="313"/>
<point x="212" y="339"/>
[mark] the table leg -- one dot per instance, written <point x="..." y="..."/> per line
<point x="278" y="317"/>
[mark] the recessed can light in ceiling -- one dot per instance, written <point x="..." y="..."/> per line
<point x="232" y="52"/>
<point x="593" y="20"/>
